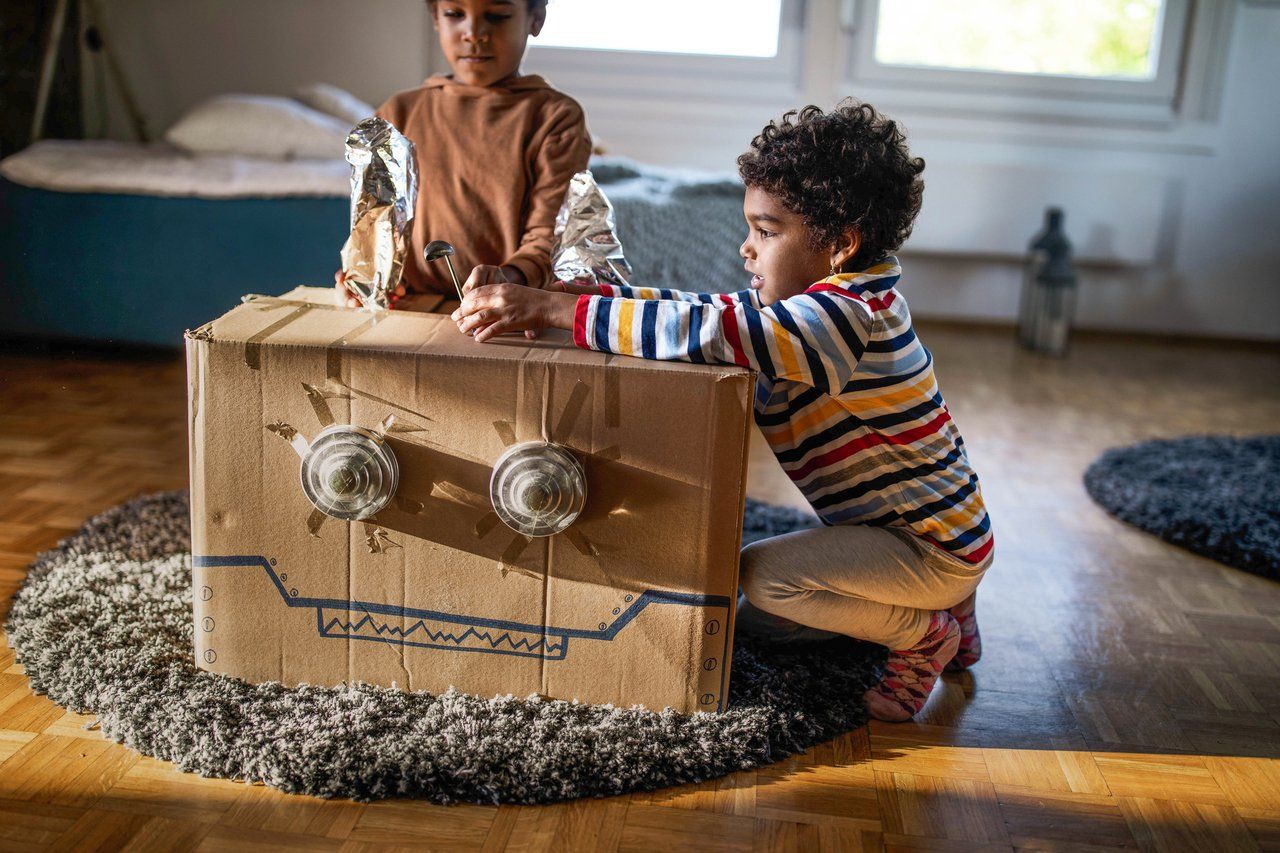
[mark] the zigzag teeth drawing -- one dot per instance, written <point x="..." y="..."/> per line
<point x="504" y="638"/>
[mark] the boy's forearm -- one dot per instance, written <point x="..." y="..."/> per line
<point x="561" y="309"/>
<point x="660" y="329"/>
<point x="783" y="341"/>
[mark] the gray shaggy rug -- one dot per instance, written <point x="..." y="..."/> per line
<point x="103" y="626"/>
<point x="1214" y="495"/>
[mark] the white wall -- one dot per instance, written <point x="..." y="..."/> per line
<point x="1204" y="218"/>
<point x="176" y="53"/>
<point x="1217" y="267"/>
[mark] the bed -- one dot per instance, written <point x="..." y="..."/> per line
<point x="134" y="244"/>
<point x="131" y="244"/>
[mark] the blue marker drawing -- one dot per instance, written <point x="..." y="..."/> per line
<point x="434" y="629"/>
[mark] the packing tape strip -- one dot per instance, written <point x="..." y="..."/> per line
<point x="408" y="505"/>
<point x="424" y="304"/>
<point x="377" y="540"/>
<point x="506" y="432"/>
<point x="572" y="411"/>
<point x="319" y="398"/>
<point x="486" y="524"/>
<point x="612" y="399"/>
<point x="268" y="302"/>
<point x="253" y="346"/>
<point x="579" y="541"/>
<point x="204" y="333"/>
<point x="319" y="405"/>
<point x="291" y="435"/>
<point x="459" y="495"/>
<point x="315" y="521"/>
<point x="333" y="357"/>
<point x="513" y="551"/>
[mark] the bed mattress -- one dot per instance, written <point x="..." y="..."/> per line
<point x="133" y="244"/>
<point x="103" y="166"/>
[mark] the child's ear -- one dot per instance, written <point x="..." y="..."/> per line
<point x="536" y="20"/>
<point x="845" y="248"/>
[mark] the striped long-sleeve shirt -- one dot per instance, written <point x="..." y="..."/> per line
<point x="845" y="394"/>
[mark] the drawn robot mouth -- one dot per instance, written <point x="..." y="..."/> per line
<point x="411" y="626"/>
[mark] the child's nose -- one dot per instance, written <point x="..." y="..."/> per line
<point x="745" y="249"/>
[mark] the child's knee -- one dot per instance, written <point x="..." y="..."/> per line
<point x="758" y="578"/>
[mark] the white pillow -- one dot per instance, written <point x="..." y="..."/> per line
<point x="259" y="126"/>
<point x="336" y="102"/>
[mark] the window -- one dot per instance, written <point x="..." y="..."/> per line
<point x="1111" y="59"/>
<point x="706" y="27"/>
<point x="719" y="50"/>
<point x="1085" y="38"/>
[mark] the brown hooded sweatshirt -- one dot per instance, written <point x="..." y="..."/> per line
<point x="493" y="164"/>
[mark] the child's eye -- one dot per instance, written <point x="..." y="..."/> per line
<point x="497" y="19"/>
<point x="764" y="234"/>
<point x="452" y="13"/>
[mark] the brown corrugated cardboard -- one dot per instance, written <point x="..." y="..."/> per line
<point x="632" y="604"/>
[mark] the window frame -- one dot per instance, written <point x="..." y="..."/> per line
<point x="1048" y="95"/>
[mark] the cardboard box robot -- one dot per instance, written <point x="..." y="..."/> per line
<point x="375" y="497"/>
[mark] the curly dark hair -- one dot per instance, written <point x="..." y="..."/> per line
<point x="849" y="168"/>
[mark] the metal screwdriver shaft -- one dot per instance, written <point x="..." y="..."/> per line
<point x="437" y="249"/>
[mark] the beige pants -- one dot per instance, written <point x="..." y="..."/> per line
<point x="874" y="583"/>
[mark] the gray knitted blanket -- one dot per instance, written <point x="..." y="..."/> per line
<point x="678" y="229"/>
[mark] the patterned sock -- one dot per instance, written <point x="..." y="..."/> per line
<point x="970" y="640"/>
<point x="909" y="674"/>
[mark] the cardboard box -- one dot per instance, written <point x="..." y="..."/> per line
<point x="632" y="604"/>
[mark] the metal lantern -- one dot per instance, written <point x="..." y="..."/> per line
<point x="538" y="488"/>
<point x="1047" y="306"/>
<point x="349" y="472"/>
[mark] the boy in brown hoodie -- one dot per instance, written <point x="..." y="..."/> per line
<point x="495" y="150"/>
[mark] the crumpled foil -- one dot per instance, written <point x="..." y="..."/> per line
<point x="384" y="192"/>
<point x="587" y="250"/>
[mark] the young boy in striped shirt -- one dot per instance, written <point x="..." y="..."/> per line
<point x="845" y="395"/>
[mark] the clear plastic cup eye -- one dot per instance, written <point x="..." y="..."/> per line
<point x="538" y="488"/>
<point x="349" y="472"/>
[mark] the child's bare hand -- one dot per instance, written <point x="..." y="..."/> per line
<point x="492" y="309"/>
<point x="343" y="297"/>
<point x="484" y="274"/>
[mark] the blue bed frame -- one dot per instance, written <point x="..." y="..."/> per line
<point x="134" y="269"/>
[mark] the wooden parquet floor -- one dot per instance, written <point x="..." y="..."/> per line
<point x="1129" y="696"/>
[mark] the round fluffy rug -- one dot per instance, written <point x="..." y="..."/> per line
<point x="1214" y="495"/>
<point x="103" y="626"/>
